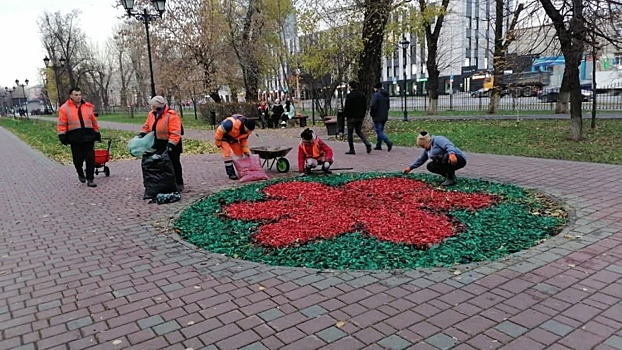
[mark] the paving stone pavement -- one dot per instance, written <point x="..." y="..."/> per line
<point x="98" y="269"/>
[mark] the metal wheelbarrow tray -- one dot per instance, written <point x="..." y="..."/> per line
<point x="272" y="156"/>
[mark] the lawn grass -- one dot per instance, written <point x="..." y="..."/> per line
<point x="188" y="119"/>
<point x="483" y="112"/>
<point x="532" y="138"/>
<point x="41" y="135"/>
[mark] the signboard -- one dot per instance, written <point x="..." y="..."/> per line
<point x="394" y="81"/>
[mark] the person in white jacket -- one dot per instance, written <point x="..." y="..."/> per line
<point x="289" y="114"/>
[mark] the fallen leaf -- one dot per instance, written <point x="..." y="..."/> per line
<point x="2" y="272"/>
<point x="262" y="288"/>
<point x="340" y="324"/>
<point x="117" y="342"/>
<point x="190" y="323"/>
<point x="197" y="287"/>
<point x="457" y="272"/>
<point x="569" y="237"/>
<point x="572" y="265"/>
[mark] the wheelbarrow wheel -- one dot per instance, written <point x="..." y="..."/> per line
<point x="106" y="171"/>
<point x="282" y="165"/>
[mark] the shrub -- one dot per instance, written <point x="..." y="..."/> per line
<point x="225" y="110"/>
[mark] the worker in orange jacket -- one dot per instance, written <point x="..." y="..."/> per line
<point x="168" y="131"/>
<point x="77" y="126"/>
<point x="232" y="136"/>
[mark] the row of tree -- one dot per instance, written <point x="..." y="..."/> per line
<point x="202" y="45"/>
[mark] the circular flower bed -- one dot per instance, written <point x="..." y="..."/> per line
<point x="370" y="221"/>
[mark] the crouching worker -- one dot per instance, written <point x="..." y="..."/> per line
<point x="446" y="158"/>
<point x="313" y="152"/>
<point x="232" y="137"/>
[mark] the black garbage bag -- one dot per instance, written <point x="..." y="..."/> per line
<point x="158" y="174"/>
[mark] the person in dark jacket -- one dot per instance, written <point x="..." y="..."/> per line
<point x="379" y="110"/>
<point x="354" y="111"/>
<point x="446" y="158"/>
<point x="77" y="126"/>
<point x="277" y="113"/>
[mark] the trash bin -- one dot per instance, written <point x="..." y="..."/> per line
<point x="341" y="122"/>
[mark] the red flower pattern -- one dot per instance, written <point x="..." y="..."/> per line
<point x="398" y="210"/>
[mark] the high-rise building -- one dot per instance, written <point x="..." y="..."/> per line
<point x="465" y="47"/>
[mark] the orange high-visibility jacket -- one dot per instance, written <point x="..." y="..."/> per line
<point x="69" y="120"/>
<point x="167" y="128"/>
<point x="232" y="130"/>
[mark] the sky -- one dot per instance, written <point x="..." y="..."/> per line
<point x="22" y="52"/>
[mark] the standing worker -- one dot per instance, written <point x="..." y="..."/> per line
<point x="168" y="130"/>
<point x="232" y="136"/>
<point x="354" y="110"/>
<point x="77" y="126"/>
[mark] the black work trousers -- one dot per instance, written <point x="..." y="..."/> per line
<point x="175" y="156"/>
<point x="356" y="126"/>
<point x="444" y="168"/>
<point x="84" y="152"/>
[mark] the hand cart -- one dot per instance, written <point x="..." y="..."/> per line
<point x="102" y="156"/>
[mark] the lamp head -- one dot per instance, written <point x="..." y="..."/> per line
<point x="160" y="6"/>
<point x="62" y="61"/>
<point x="128" y="5"/>
<point x="26" y="81"/>
<point x="46" y="60"/>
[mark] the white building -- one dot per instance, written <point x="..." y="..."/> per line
<point x="466" y="46"/>
<point x="277" y="82"/>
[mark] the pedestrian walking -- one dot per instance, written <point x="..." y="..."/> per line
<point x="379" y="111"/>
<point x="354" y="111"/>
<point x="77" y="126"/>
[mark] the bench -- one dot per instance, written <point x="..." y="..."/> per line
<point x="331" y="125"/>
<point x="302" y="120"/>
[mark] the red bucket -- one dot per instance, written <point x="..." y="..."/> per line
<point x="101" y="156"/>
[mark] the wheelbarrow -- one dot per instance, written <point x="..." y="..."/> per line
<point x="273" y="156"/>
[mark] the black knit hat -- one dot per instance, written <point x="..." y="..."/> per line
<point x="307" y="134"/>
<point x="249" y="124"/>
<point x="378" y="86"/>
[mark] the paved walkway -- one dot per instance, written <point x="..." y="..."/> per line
<point x="97" y="268"/>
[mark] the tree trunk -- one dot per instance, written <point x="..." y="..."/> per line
<point x="370" y="66"/>
<point x="574" y="85"/>
<point x="498" y="58"/>
<point x="431" y="36"/>
<point x="561" y="105"/>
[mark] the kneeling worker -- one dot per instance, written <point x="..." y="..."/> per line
<point x="446" y="158"/>
<point x="313" y="152"/>
<point x="232" y="136"/>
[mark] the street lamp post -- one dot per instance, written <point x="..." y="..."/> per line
<point x="10" y="92"/>
<point x="24" y="92"/>
<point x="405" y="43"/>
<point x="55" y="68"/>
<point x="146" y="18"/>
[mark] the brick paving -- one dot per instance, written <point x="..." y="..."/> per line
<point x="98" y="269"/>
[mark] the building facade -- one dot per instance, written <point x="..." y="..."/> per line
<point x="465" y="47"/>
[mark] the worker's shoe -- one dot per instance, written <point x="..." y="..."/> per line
<point x="368" y="148"/>
<point x="90" y="183"/>
<point x="326" y="168"/>
<point x="82" y="179"/>
<point x="180" y="188"/>
<point x="377" y="148"/>
<point x="351" y="152"/>
<point x="450" y="180"/>
<point x="389" y="146"/>
<point x="231" y="171"/>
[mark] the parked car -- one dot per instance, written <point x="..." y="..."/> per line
<point x="480" y="93"/>
<point x="551" y="94"/>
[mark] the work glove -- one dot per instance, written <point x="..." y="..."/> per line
<point x="407" y="170"/>
<point x="96" y="114"/>
<point x="247" y="154"/>
<point x="453" y="160"/>
<point x="141" y="135"/>
<point x="63" y="139"/>
<point x="170" y="147"/>
<point x="219" y="144"/>
<point x="98" y="137"/>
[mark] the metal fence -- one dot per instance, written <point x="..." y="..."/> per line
<point x="607" y="99"/>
